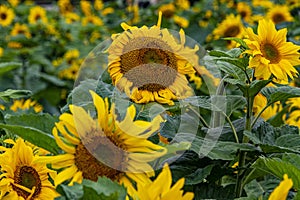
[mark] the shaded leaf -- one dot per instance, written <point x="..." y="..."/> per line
<point x="8" y="66"/>
<point x="34" y="136"/>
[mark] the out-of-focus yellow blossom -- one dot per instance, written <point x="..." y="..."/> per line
<point x="231" y="26"/>
<point x="37" y="13"/>
<point x="168" y="10"/>
<point x="1" y="51"/>
<point x="14" y="45"/>
<point x="260" y="101"/>
<point x="280" y="13"/>
<point x="23" y="104"/>
<point x="20" y="29"/>
<point x="181" y="21"/>
<point x="93" y="20"/>
<point x="107" y="11"/>
<point x="64" y="6"/>
<point x="71" y="17"/>
<point x="14" y="3"/>
<point x="98" y="5"/>
<point x="245" y="11"/>
<point x="262" y="3"/>
<point x="7" y="15"/>
<point x="183" y="4"/>
<point x="86" y="7"/>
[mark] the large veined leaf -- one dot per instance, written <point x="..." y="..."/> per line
<point x="226" y="104"/>
<point x="44" y="122"/>
<point x="256" y="86"/>
<point x="34" y="136"/>
<point x="282" y="93"/>
<point x="213" y="148"/>
<point x="278" y="168"/>
<point x="104" y="189"/>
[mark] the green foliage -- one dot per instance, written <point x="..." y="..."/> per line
<point x="104" y="189"/>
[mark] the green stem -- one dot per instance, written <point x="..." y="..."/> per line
<point x="242" y="154"/>
<point x="259" y="114"/>
<point x="200" y="117"/>
<point x="232" y="128"/>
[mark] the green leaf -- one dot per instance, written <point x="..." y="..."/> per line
<point x="34" y="136"/>
<point x="256" y="86"/>
<point x="104" y="188"/>
<point x="8" y="66"/>
<point x="278" y="168"/>
<point x="214" y="149"/>
<point x="238" y="40"/>
<point x="233" y="71"/>
<point x="44" y="122"/>
<point x="238" y="62"/>
<point x="52" y="79"/>
<point x="198" y="176"/>
<point x="74" y="192"/>
<point x="226" y="104"/>
<point x="14" y="94"/>
<point x="281" y="93"/>
<point x="218" y="53"/>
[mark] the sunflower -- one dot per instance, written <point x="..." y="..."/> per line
<point x="26" y="105"/>
<point x="231" y="26"/>
<point x="6" y="15"/>
<point x="271" y="54"/>
<point x="71" y="17"/>
<point x="149" y="65"/>
<point x="282" y="190"/>
<point x="64" y="6"/>
<point x="72" y="71"/>
<point x="160" y="188"/>
<point x="37" y="13"/>
<point x="22" y="177"/>
<point x="168" y="10"/>
<point x="20" y="29"/>
<point x="279" y="13"/>
<point x="71" y="55"/>
<point x="122" y="147"/>
<point x="245" y="11"/>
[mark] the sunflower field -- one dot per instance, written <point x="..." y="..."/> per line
<point x="149" y="100"/>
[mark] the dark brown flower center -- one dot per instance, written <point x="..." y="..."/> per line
<point x="168" y="13"/>
<point x="20" y="31"/>
<point x="149" y="64"/>
<point x="101" y="156"/>
<point x="270" y="52"/>
<point x="3" y="16"/>
<point x="28" y="177"/>
<point x="243" y="14"/>
<point x="278" y="18"/>
<point x="37" y="17"/>
<point x="232" y="31"/>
